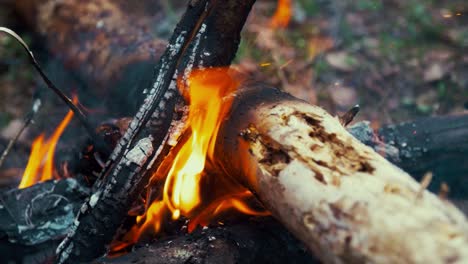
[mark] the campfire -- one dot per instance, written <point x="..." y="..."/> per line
<point x="214" y="166"/>
<point x="189" y="188"/>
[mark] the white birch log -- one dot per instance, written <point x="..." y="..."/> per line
<point x="343" y="200"/>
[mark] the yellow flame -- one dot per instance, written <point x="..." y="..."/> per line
<point x="208" y="104"/>
<point x="282" y="14"/>
<point x="40" y="165"/>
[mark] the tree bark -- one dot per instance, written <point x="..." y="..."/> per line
<point x="342" y="199"/>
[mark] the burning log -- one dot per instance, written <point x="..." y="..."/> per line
<point x="76" y="32"/>
<point x="136" y="156"/>
<point x="342" y="199"/>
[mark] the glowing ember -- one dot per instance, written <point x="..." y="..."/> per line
<point x="40" y="165"/>
<point x="282" y="14"/>
<point x="189" y="190"/>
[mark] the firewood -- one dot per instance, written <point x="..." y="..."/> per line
<point x="108" y="45"/>
<point x="342" y="199"/>
<point x="136" y="155"/>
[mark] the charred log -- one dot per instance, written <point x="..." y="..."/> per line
<point x="40" y="213"/>
<point x="124" y="173"/>
<point x="436" y="144"/>
<point x="135" y="157"/>
<point x="261" y="240"/>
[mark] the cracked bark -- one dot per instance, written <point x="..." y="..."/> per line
<point x="129" y="166"/>
<point x="136" y="155"/>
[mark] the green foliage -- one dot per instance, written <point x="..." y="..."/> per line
<point x="12" y="54"/>
<point x="321" y="66"/>
<point x="441" y="89"/>
<point x="311" y="7"/>
<point x="5" y="119"/>
<point x="370" y="5"/>
<point x="420" y="24"/>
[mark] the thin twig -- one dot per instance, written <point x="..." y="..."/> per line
<point x="81" y="116"/>
<point x="27" y="120"/>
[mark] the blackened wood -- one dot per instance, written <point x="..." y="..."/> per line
<point x="129" y="167"/>
<point x="260" y="240"/>
<point x="220" y="40"/>
<point x="41" y="212"/>
<point x="124" y="176"/>
<point x="436" y="144"/>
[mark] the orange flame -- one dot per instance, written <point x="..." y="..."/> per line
<point x="186" y="190"/>
<point x="40" y="165"/>
<point x="282" y="14"/>
<point x="208" y="107"/>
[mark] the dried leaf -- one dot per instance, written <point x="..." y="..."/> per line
<point x="342" y="61"/>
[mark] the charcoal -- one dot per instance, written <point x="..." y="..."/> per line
<point x="41" y="212"/>
<point x="363" y="132"/>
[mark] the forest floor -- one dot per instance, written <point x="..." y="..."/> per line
<point x="398" y="59"/>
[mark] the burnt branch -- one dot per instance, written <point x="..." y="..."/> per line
<point x="433" y="144"/>
<point x="122" y="177"/>
<point x="36" y="104"/>
<point x="135" y="156"/>
<point x="258" y="240"/>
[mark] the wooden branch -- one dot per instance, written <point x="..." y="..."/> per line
<point x="128" y="168"/>
<point x="136" y="156"/>
<point x="342" y="199"/>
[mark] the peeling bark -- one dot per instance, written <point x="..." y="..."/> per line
<point x="342" y="199"/>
